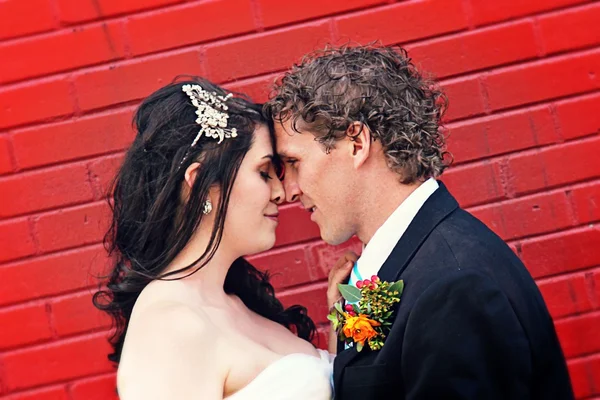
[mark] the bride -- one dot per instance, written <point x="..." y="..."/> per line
<point x="198" y="190"/>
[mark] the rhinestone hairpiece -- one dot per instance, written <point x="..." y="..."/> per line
<point x="212" y="113"/>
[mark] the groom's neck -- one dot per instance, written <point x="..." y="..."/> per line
<point x="379" y="200"/>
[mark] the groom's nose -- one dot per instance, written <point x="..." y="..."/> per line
<point x="292" y="189"/>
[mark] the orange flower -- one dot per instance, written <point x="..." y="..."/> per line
<point x="360" y="328"/>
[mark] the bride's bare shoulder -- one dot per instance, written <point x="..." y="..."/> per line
<point x="165" y="342"/>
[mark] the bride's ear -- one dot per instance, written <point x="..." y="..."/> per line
<point x="359" y="137"/>
<point x="190" y="174"/>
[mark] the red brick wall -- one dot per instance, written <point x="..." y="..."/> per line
<point x="522" y="77"/>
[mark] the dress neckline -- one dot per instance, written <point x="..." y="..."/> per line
<point x="271" y="366"/>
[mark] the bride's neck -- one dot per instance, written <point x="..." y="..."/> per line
<point x="212" y="275"/>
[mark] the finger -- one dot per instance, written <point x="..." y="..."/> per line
<point x="343" y="272"/>
<point x="350" y="256"/>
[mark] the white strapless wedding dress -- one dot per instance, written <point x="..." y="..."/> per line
<point x="293" y="377"/>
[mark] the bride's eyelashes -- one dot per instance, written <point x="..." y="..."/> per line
<point x="265" y="176"/>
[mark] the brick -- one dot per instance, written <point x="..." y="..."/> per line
<point x="594" y="369"/>
<point x="287" y="267"/>
<point x="103" y="172"/>
<point x="543" y="80"/>
<point x="485" y="12"/>
<point x="526" y="172"/>
<point x="132" y="80"/>
<point x="263" y="53"/>
<point x="295" y="226"/>
<point x="187" y="24"/>
<point x="23" y="325"/>
<point x="473" y="184"/>
<point x="476" y="50"/>
<point x="58" y="361"/>
<point x="51" y="275"/>
<point x="17" y="239"/>
<point x="87" y="46"/>
<point x="97" y="388"/>
<point x="576" y="116"/>
<point x="579" y="373"/>
<point x="69" y="140"/>
<point x="578" y="335"/>
<point x="76" y="313"/>
<point x="464" y="96"/>
<point x="566" y="295"/>
<point x="6" y="164"/>
<point x="18" y="20"/>
<point x="586" y="202"/>
<point x="492" y="217"/>
<point x="571" y="162"/>
<point x="521" y="130"/>
<point x="562" y="252"/>
<point x="313" y="297"/>
<point x="257" y="89"/>
<point x="402" y="22"/>
<point x="580" y="22"/>
<point x="499" y="134"/>
<point x="57" y="392"/>
<point x="32" y="103"/>
<point x="86" y="224"/>
<point x="536" y="214"/>
<point x="73" y="11"/>
<point x="275" y="12"/>
<point x="467" y="140"/>
<point x="39" y="190"/>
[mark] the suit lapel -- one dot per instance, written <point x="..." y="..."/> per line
<point x="437" y="207"/>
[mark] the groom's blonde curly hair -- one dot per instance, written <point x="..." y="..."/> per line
<point x="375" y="85"/>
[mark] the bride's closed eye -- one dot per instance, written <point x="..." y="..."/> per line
<point x="265" y="175"/>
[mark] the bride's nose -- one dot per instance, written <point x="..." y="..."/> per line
<point x="277" y="191"/>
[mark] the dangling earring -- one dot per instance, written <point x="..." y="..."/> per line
<point x="207" y="208"/>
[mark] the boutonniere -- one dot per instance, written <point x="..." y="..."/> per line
<point x="367" y="315"/>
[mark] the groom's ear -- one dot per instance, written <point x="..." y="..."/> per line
<point x="359" y="137"/>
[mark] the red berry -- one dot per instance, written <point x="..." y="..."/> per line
<point x="359" y="284"/>
<point x="367" y="282"/>
<point x="352" y="313"/>
<point x="375" y="278"/>
<point x="349" y="307"/>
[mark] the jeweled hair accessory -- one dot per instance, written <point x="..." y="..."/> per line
<point x="211" y="112"/>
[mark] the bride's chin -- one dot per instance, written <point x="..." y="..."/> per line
<point x="267" y="244"/>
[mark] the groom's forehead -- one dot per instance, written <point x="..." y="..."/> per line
<point x="292" y="145"/>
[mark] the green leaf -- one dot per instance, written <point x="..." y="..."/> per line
<point x="338" y="307"/>
<point x="332" y="318"/>
<point x="359" y="346"/>
<point x="350" y="293"/>
<point x="397" y="287"/>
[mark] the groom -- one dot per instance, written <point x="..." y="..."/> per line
<point x="359" y="132"/>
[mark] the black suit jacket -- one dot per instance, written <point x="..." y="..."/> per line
<point x="471" y="323"/>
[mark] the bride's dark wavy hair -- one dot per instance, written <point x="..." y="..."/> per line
<point x="151" y="224"/>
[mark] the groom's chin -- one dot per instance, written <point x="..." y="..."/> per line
<point x="333" y="238"/>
